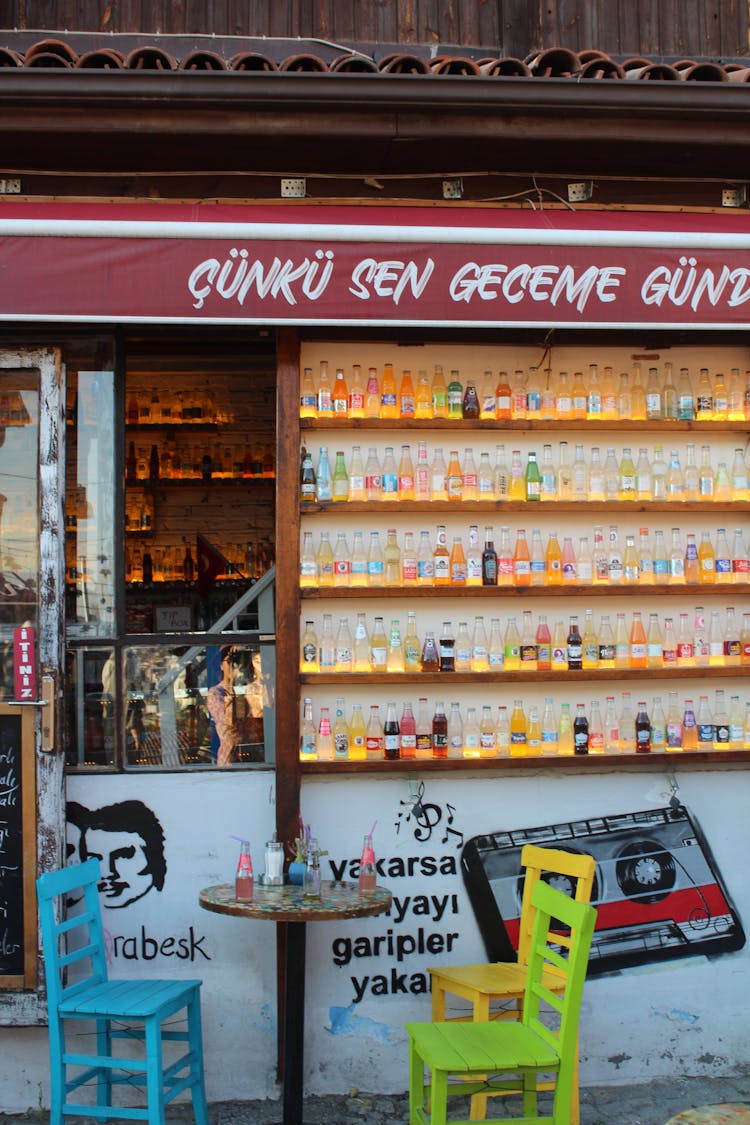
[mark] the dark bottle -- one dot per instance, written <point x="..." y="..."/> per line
<point x="391" y="735"/>
<point x="489" y="560"/>
<point x="130" y="462"/>
<point x="153" y="464"/>
<point x="188" y="566"/>
<point x="207" y="466"/>
<point x="148" y="567"/>
<point x="642" y="729"/>
<point x="580" y="731"/>
<point x="470" y="403"/>
<point x="440" y="732"/>
<point x="430" y="661"/>
<point x="308" y="481"/>
<point x="575" y="646"/>
<point x="447" y="649"/>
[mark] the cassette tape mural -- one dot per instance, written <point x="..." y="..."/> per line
<point x="657" y="889"/>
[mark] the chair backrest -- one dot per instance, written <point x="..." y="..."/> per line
<point x="567" y="871"/>
<point x="73" y="943"/>
<point x="552" y="908"/>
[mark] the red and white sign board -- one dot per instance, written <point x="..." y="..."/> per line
<point x="368" y="266"/>
<point x="24" y="664"/>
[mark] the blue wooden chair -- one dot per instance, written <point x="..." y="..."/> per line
<point x="78" y="989"/>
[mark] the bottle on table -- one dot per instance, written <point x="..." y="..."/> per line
<point x="368" y="876"/>
<point x="243" y="880"/>
<point x="391" y="734"/>
<point x="439" y="731"/>
<point x="642" y="729"/>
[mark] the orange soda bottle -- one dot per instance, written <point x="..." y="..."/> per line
<point x="457" y="563"/>
<point x="521" y="560"/>
<point x="553" y="562"/>
<point x="406" y="401"/>
<point x="388" y="396"/>
<point x="638" y="647"/>
<point x="502" y="396"/>
<point x="340" y="395"/>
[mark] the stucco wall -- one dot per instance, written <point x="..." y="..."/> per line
<point x="367" y="978"/>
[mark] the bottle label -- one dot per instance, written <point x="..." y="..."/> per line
<point x="405" y="482"/>
<point x="356" y="401"/>
<point x="441" y="567"/>
<point x="474" y="568"/>
<point x="409" y="570"/>
<point x="309" y="653"/>
<point x="424" y="741"/>
<point x="723" y="566"/>
<point x="740" y="566"/>
<point x="341" y="745"/>
<point x="521" y="567"/>
<point x="308" y="568"/>
<point x="732" y="648"/>
<point x="440" y="741"/>
<point x="721" y="733"/>
<point x="503" y="403"/>
<point x="487" y="740"/>
<point x="661" y="568"/>
<point x="512" y="652"/>
<point x="497" y="659"/>
<point x="341" y="567"/>
<point x="606" y="652"/>
<point x="549" y="736"/>
<point x="458" y="572"/>
<point x="591" y="652"/>
<point x="373" y="744"/>
<point x="559" y="656"/>
<point x="375" y="568"/>
<point x="390" y="482"/>
<point x="638" y="651"/>
<point x="373" y="482"/>
<point x="462" y="656"/>
<point x="518" y="737"/>
<point x="705" y="732"/>
<point x="425" y="569"/>
<point x="674" y="735"/>
<point x="533" y="489"/>
<point x="388" y="398"/>
<point x="529" y="653"/>
<point x="505" y="566"/>
<point x="356" y="483"/>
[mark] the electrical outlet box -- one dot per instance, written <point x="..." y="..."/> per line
<point x="580" y="192"/>
<point x="453" y="189"/>
<point x="10" y="186"/>
<point x="734" y="196"/>
<point x="293" y="189"/>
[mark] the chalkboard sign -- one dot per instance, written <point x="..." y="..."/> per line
<point x="17" y="848"/>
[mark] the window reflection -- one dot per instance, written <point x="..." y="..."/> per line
<point x="196" y="705"/>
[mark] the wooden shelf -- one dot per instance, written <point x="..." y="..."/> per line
<point x="654" y="760"/>
<point x="590" y="675"/>
<point x="721" y="589"/>
<point x="626" y="425"/>
<point x="610" y="508"/>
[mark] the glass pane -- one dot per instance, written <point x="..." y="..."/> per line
<point x="194" y="705"/>
<point x="19" y="519"/>
<point x="90" y="705"/>
<point x="90" y="503"/>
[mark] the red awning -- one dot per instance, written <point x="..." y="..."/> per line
<point x="370" y="266"/>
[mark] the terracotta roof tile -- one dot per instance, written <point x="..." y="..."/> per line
<point x="264" y="56"/>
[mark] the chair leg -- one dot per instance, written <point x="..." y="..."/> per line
<point x="439" y="1098"/>
<point x="104" y="1077"/>
<point x="154" y="1072"/>
<point x="416" y="1085"/>
<point x="57" y="1071"/>
<point x="478" y="1102"/>
<point x="195" y="1041"/>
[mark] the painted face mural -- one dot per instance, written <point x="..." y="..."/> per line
<point x="128" y="841"/>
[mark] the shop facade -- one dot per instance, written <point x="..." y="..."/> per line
<point x="176" y="333"/>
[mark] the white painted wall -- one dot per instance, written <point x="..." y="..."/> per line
<point x="676" y="1018"/>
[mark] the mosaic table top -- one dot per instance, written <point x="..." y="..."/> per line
<point x="730" y="1114"/>
<point x="288" y="903"/>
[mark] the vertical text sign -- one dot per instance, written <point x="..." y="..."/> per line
<point x="24" y="663"/>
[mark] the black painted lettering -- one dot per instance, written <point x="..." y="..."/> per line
<point x="360" y="987"/>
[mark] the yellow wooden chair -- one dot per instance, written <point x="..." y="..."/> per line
<point x="485" y="986"/>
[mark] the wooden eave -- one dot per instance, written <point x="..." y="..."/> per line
<point x="103" y="122"/>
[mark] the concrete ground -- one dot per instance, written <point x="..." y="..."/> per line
<point x="649" y="1103"/>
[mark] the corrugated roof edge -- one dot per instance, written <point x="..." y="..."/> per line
<point x="96" y="51"/>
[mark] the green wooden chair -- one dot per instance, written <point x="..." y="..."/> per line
<point x="79" y="993"/>
<point x="481" y="1055"/>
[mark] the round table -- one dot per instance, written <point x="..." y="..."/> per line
<point x="288" y="905"/>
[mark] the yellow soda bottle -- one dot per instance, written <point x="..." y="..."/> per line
<point x="423" y="397"/>
<point x="357" y="735"/>
<point x="517" y="730"/>
<point x="706" y="559"/>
